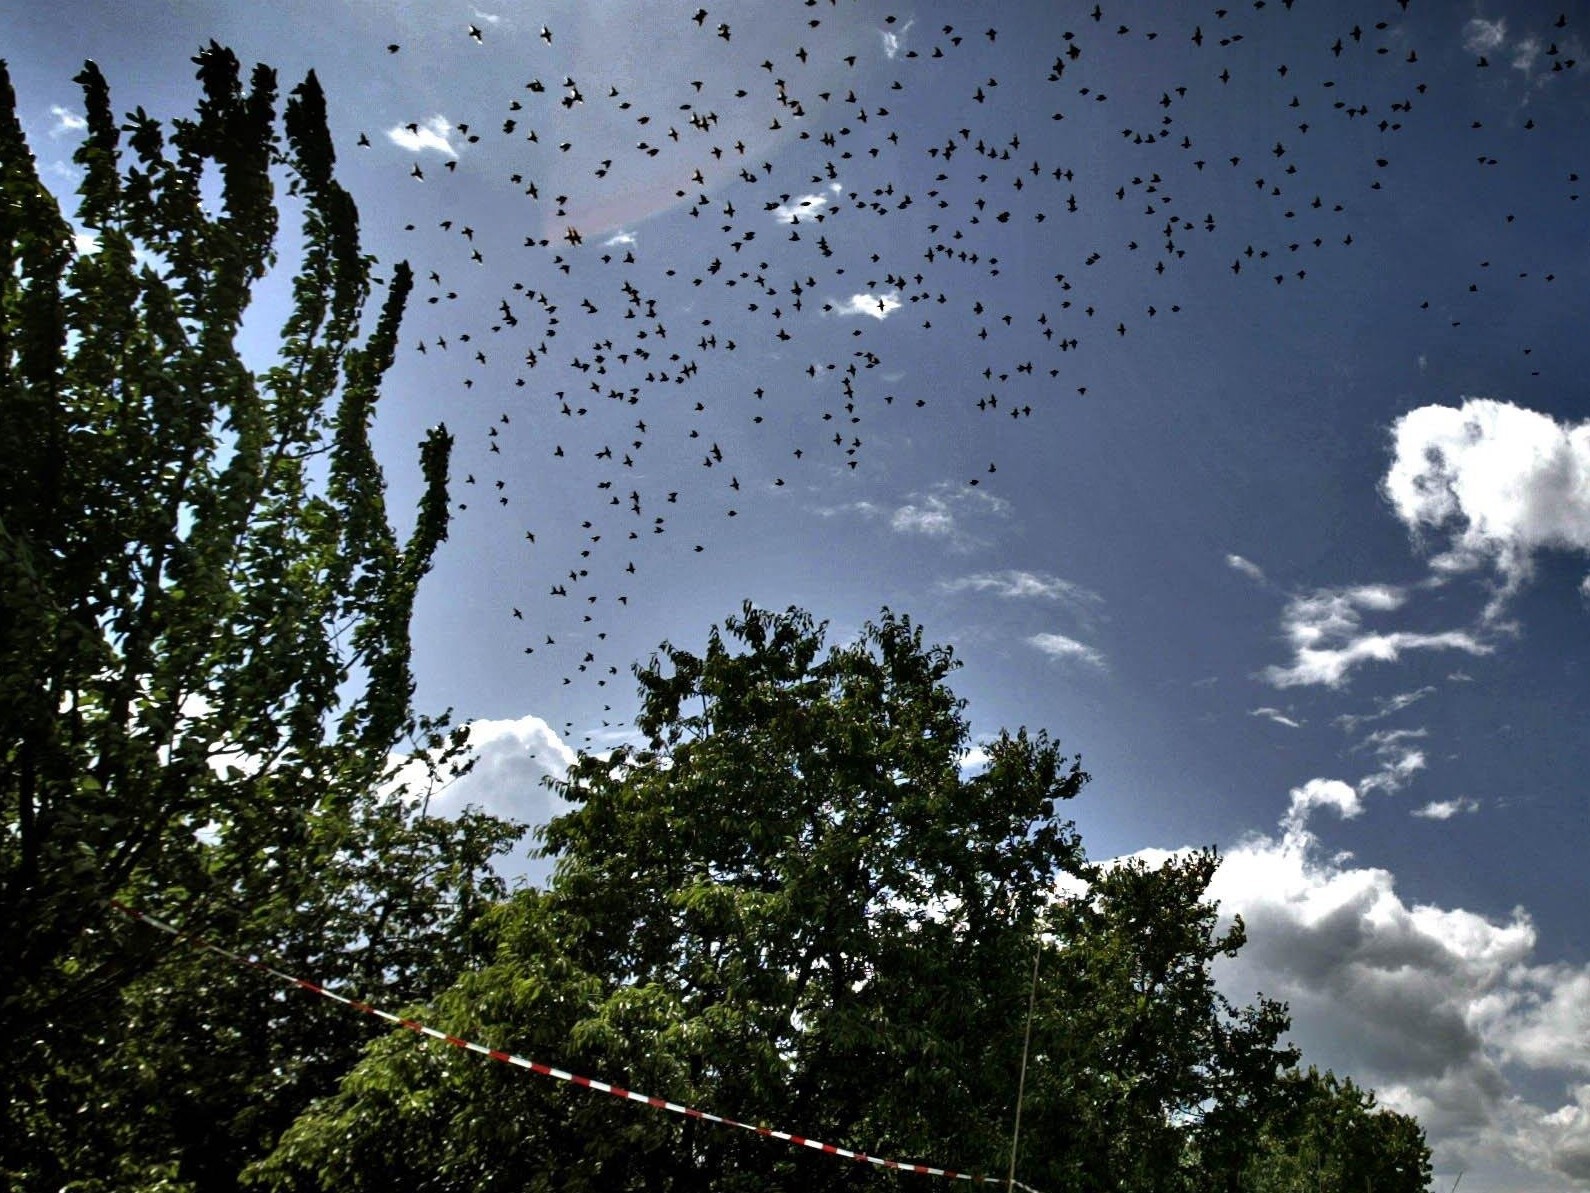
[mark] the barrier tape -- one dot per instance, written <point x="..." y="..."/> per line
<point x="509" y="1058"/>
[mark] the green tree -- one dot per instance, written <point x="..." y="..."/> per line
<point x="793" y="906"/>
<point x="1326" y="1135"/>
<point x="790" y="905"/>
<point x="204" y="654"/>
<point x="1146" y="1077"/>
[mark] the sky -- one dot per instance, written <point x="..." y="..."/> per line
<point x="1212" y="380"/>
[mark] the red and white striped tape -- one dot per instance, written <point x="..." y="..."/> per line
<point x="509" y="1058"/>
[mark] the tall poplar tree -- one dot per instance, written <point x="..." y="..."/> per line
<point x="204" y="623"/>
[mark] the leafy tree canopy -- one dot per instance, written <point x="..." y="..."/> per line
<point x="794" y="906"/>
<point x="204" y="652"/>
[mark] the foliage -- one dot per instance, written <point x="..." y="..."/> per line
<point x="203" y="639"/>
<point x="793" y="906"/>
<point x="1326" y="1135"/>
<point x="1146" y="1076"/>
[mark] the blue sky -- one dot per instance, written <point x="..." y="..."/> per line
<point x="1290" y="531"/>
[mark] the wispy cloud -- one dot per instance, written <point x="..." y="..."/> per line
<point x="801" y="207"/>
<point x="947" y="512"/>
<point x="894" y="41"/>
<point x="1498" y="483"/>
<point x="1525" y="52"/>
<point x="878" y="306"/>
<point x="1013" y="583"/>
<point x="1447" y="808"/>
<point x="1246" y="566"/>
<point x="434" y="133"/>
<point x="1325" y="629"/>
<point x="619" y="238"/>
<point x="1386" y="706"/>
<point x="1276" y="715"/>
<point x="1058" y="646"/>
<point x="67" y="122"/>
<point x="1482" y="37"/>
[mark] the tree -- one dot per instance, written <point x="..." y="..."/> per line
<point x="204" y="654"/>
<point x="793" y="906"/>
<point x="1326" y="1135"/>
<point x="1146" y="1076"/>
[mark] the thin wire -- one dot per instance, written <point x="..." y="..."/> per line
<point x="1021" y="1082"/>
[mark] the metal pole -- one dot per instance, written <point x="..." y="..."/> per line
<point x="1021" y="1082"/>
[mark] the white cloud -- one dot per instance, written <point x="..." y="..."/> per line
<point x="1482" y="36"/>
<point x="932" y="517"/>
<point x="1499" y="481"/>
<point x="878" y="306"/>
<point x="1395" y="772"/>
<point x="1386" y="706"/>
<point x="1399" y="761"/>
<point x="1445" y="809"/>
<point x="892" y="41"/>
<point x="1014" y="583"/>
<point x="975" y="758"/>
<point x="1325" y="629"/>
<point x="1384" y="741"/>
<point x="1276" y="715"/>
<point x="1246" y="566"/>
<point x="66" y="121"/>
<point x="1430" y="1006"/>
<point x="1322" y="793"/>
<point x="1058" y="646"/>
<point x="434" y="133"/>
<point x="512" y="758"/>
<point x="1525" y="52"/>
<point x="619" y="238"/>
<point x="792" y="211"/>
<point x="943" y="513"/>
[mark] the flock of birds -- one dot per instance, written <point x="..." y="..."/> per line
<point x="857" y="196"/>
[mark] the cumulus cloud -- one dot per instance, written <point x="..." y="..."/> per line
<point x="1058" y="646"/>
<point x="1481" y="36"/>
<point x="1276" y="715"/>
<point x="1435" y="1008"/>
<point x="1014" y="583"/>
<point x="1495" y="482"/>
<point x="1246" y="566"/>
<point x="975" y="758"/>
<point x="878" y="306"/>
<point x="434" y="133"/>
<point x="1321" y="793"/>
<point x="1328" y="639"/>
<point x="512" y="760"/>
